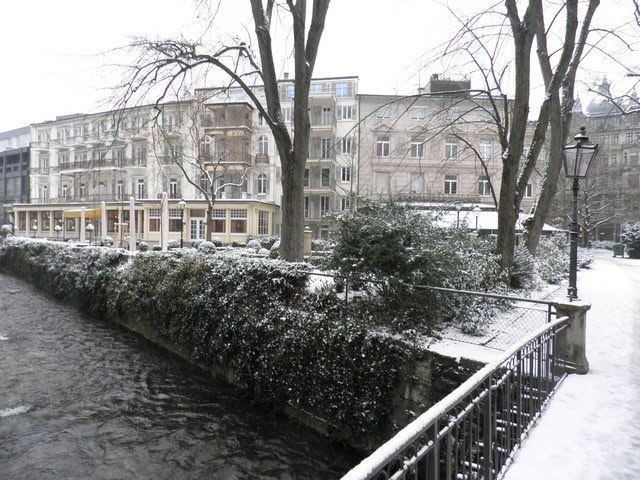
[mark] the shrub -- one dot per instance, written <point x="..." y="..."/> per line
<point x="107" y="241"/>
<point x="171" y="244"/>
<point x="321" y="245"/>
<point x="207" y="247"/>
<point x="254" y="245"/>
<point x="603" y="244"/>
<point x="143" y="246"/>
<point x="523" y="271"/>
<point x="196" y="243"/>
<point x="264" y="252"/>
<point x="5" y="231"/>
<point x="265" y="241"/>
<point x="631" y="238"/>
<point x="396" y="248"/>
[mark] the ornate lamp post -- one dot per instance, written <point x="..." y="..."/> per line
<point x="34" y="228"/>
<point x="58" y="229"/>
<point x="90" y="228"/>
<point x="577" y="158"/>
<point x="476" y="212"/>
<point x="182" y="204"/>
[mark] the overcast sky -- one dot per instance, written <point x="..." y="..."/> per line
<point x="56" y="53"/>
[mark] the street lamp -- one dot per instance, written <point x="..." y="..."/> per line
<point x="577" y="158"/>
<point x="458" y="207"/>
<point x="476" y="212"/>
<point x="181" y="205"/>
<point x="90" y="228"/>
<point x="34" y="228"/>
<point x="58" y="229"/>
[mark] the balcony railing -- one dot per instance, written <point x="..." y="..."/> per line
<point x="92" y="198"/>
<point x="227" y="158"/>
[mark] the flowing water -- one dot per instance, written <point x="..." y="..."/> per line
<point x="82" y="399"/>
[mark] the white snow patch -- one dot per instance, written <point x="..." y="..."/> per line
<point x="2" y="337"/>
<point x="9" y="412"/>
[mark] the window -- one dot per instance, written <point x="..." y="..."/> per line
<point x="139" y="188"/>
<point x="484" y="187"/>
<point x="290" y="91"/>
<point x="326" y="177"/>
<point x="205" y="146"/>
<point x="346" y="174"/>
<point x="342" y="90"/>
<point x="219" y="220"/>
<point x="44" y="163"/>
<point x="384" y="112"/>
<point x="64" y="190"/>
<point x="306" y="207"/>
<point x="452" y="115"/>
<point x="416" y="186"/>
<point x="382" y="183"/>
<point x="261" y="120"/>
<point x="238" y="221"/>
<point x="46" y="221"/>
<point x="486" y="150"/>
<point x="140" y="154"/>
<point x="383" y="146"/>
<point x="634" y="180"/>
<point x="614" y="159"/>
<point x="528" y="191"/>
<point x="450" y="184"/>
<point x="44" y="193"/>
<point x="324" y="204"/>
<point x="262" y="184"/>
<point x="80" y="130"/>
<point x="175" y="220"/>
<point x="417" y="148"/>
<point x="80" y="156"/>
<point x="326" y="147"/>
<point x="154" y="219"/>
<point x="173" y="188"/>
<point x="418" y="113"/>
<point x="119" y="189"/>
<point x="263" y="222"/>
<point x="637" y="137"/>
<point x="317" y="88"/>
<point x="82" y="190"/>
<point x="345" y="112"/>
<point x="263" y="145"/>
<point x="451" y="150"/>
<point x="344" y="203"/>
<point x="118" y="157"/>
<point x="306" y="177"/>
<point x="629" y="138"/>
<point x="614" y="139"/>
<point x="346" y="145"/>
<point x="63" y="158"/>
<point x="633" y="159"/>
<point x="286" y="114"/>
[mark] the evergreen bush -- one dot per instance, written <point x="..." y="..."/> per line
<point x="630" y="237"/>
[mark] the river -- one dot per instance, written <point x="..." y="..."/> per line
<point x="84" y="399"/>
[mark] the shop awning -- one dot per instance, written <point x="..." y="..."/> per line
<point x="92" y="214"/>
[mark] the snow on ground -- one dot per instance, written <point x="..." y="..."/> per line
<point x="591" y="429"/>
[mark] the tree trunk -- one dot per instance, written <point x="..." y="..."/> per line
<point x="292" y="234"/>
<point x="549" y="185"/>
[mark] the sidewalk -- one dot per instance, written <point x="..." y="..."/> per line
<point x="591" y="429"/>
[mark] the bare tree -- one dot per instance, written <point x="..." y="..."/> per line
<point x="485" y="41"/>
<point x="166" y="67"/>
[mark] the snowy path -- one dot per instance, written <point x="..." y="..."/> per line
<point x="591" y="430"/>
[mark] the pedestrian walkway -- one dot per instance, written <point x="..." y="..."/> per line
<point x="591" y="429"/>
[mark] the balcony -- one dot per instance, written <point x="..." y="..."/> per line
<point x="103" y="164"/>
<point x="93" y="198"/>
<point x="231" y="158"/>
<point x="231" y="119"/>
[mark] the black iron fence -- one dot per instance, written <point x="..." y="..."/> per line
<point x="474" y="432"/>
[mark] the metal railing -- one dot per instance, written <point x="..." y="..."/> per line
<point x="474" y="432"/>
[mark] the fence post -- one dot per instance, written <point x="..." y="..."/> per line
<point x="576" y="347"/>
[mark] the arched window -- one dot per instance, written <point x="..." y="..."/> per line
<point x="263" y="145"/>
<point x="262" y="183"/>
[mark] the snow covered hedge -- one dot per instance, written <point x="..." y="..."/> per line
<point x="285" y="346"/>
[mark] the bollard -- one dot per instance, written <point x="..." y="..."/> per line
<point x="576" y="352"/>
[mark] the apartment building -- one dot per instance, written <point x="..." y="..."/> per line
<point x="610" y="196"/>
<point x="14" y="169"/>
<point x="439" y="145"/>
<point x="89" y="166"/>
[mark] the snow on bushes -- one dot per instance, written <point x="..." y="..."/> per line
<point x="630" y="237"/>
<point x="253" y="316"/>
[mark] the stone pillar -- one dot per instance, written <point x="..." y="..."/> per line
<point x="307" y="240"/>
<point x="132" y="225"/>
<point x="576" y="332"/>
<point x="83" y="221"/>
